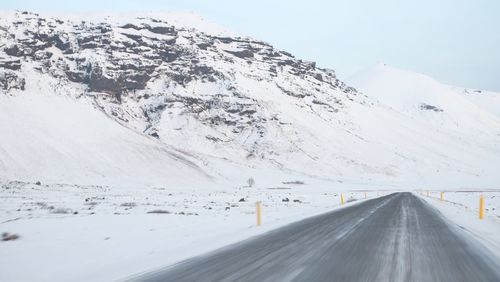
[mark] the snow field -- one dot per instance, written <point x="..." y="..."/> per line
<point x="100" y="233"/>
<point x="469" y="201"/>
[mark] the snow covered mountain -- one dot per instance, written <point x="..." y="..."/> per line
<point x="156" y="101"/>
<point x="421" y="96"/>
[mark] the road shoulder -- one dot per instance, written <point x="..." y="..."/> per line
<point x="486" y="231"/>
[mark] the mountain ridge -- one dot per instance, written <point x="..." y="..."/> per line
<point x="234" y="106"/>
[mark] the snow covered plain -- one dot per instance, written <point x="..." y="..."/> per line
<point x="98" y="233"/>
<point x="469" y="200"/>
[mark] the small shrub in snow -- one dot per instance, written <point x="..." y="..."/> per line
<point x="186" y="213"/>
<point x="38" y="183"/>
<point x="129" y="205"/>
<point x="296" y="182"/>
<point x="41" y="204"/>
<point x="61" y="211"/>
<point x="9" y="237"/>
<point x="159" y="211"/>
<point x="242" y="200"/>
<point x="285" y="200"/>
<point x="350" y="200"/>
<point x="250" y="182"/>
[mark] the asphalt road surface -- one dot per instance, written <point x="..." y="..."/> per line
<point x="398" y="237"/>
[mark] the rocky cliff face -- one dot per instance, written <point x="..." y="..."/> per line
<point x="144" y="70"/>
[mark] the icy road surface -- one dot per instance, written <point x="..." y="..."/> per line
<point x="398" y="237"/>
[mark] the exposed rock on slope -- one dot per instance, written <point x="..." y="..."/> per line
<point x="236" y="105"/>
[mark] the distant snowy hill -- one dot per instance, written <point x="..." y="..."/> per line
<point x="423" y="98"/>
<point x="486" y="100"/>
<point x="154" y="100"/>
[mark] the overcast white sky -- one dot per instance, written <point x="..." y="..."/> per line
<point x="455" y="41"/>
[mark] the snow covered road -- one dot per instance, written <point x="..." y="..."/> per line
<point x="397" y="237"/>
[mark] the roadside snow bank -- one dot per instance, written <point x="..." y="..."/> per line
<point x="461" y="207"/>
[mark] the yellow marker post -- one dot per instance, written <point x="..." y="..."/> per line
<point x="481" y="207"/>
<point x="341" y="199"/>
<point x="441" y="197"/>
<point x="257" y="206"/>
